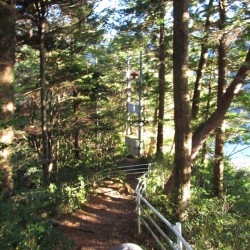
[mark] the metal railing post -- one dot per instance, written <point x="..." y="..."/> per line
<point x="178" y="228"/>
<point x="145" y="185"/>
<point x="149" y="166"/>
<point x="139" y="210"/>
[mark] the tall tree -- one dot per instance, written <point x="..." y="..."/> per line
<point x="220" y="133"/>
<point x="41" y="9"/>
<point x="162" y="82"/>
<point x="214" y="121"/>
<point x="202" y="64"/>
<point x="7" y="59"/>
<point x="182" y="161"/>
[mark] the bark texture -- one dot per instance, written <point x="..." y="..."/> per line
<point x="76" y="104"/>
<point x="46" y="154"/>
<point x="220" y="133"/>
<point x="7" y="59"/>
<point x="182" y="164"/>
<point x="162" y="72"/>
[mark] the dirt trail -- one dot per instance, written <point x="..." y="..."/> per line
<point x="108" y="219"/>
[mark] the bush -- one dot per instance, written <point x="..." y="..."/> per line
<point x="23" y="227"/>
<point x="213" y="223"/>
<point x="25" y="218"/>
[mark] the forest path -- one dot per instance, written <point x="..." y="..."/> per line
<point x="108" y="219"/>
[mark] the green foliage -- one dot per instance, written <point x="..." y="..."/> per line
<point x="25" y="221"/>
<point x="85" y="115"/>
<point x="209" y="227"/>
<point x="73" y="196"/>
<point x="26" y="215"/>
<point x="219" y="223"/>
<point x="156" y="181"/>
<point x="203" y="176"/>
<point x="212" y="223"/>
<point x="237" y="189"/>
<point x="237" y="119"/>
<point x="27" y="170"/>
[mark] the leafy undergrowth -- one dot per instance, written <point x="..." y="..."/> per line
<point x="67" y="217"/>
<point x="58" y="217"/>
<point x="26" y="217"/>
<point x="212" y="223"/>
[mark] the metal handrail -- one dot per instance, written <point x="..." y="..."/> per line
<point x="176" y="229"/>
<point x="144" y="170"/>
<point x="134" y="169"/>
<point x="139" y="169"/>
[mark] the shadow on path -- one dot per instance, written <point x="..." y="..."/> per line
<point x="107" y="220"/>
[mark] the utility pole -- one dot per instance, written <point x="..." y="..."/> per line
<point x="128" y="94"/>
<point x="134" y="145"/>
<point x="140" y="110"/>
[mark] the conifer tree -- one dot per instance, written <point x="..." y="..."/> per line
<point x="182" y="117"/>
<point x="7" y="55"/>
<point x="220" y="133"/>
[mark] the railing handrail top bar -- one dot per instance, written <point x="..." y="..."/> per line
<point x="176" y="232"/>
<point x="133" y="169"/>
<point x="135" y="173"/>
<point x="127" y="169"/>
<point x="128" y="166"/>
<point x="136" y="167"/>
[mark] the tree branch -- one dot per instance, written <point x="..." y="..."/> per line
<point x="204" y="130"/>
<point x="238" y="151"/>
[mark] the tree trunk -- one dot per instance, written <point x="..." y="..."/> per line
<point x="46" y="161"/>
<point x="76" y="104"/>
<point x="204" y="146"/>
<point x="205" y="129"/>
<point x="220" y="134"/>
<point x="202" y="65"/>
<point x="7" y="60"/>
<point x="219" y="161"/>
<point x="182" y="164"/>
<point x="162" y="72"/>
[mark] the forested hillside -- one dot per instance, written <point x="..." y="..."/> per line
<point x="87" y="84"/>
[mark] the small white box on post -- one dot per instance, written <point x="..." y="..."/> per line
<point x="133" y="108"/>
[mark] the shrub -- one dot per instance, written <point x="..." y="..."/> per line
<point x="213" y="223"/>
<point x="25" y="217"/>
